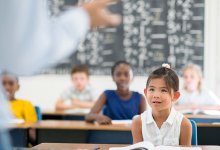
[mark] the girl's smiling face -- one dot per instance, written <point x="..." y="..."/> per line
<point x="158" y="95"/>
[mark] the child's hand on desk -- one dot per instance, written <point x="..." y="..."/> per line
<point x="75" y="101"/>
<point x="101" y="119"/>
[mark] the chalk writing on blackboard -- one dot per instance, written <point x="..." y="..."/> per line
<point x="152" y="32"/>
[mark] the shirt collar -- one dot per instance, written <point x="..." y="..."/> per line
<point x="171" y="117"/>
<point x="169" y="120"/>
<point x="149" y="116"/>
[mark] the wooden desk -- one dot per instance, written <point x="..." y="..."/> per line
<point x="208" y="133"/>
<point x="204" y="118"/>
<point x="19" y="134"/>
<point x="79" y="125"/>
<point x="62" y="146"/>
<point x="82" y="132"/>
<point x="77" y="114"/>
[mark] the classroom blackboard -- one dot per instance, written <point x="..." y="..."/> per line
<point x="152" y="32"/>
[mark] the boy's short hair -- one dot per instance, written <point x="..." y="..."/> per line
<point x="80" y="68"/>
<point x="7" y="73"/>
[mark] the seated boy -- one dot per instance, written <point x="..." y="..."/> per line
<point x="80" y="94"/>
<point x="21" y="109"/>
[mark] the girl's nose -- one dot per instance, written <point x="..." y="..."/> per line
<point x="156" y="96"/>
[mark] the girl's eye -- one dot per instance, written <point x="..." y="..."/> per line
<point x="151" y="89"/>
<point x="164" y="90"/>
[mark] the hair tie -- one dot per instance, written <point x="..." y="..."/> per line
<point x="166" y="65"/>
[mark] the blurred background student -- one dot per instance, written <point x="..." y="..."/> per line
<point x="194" y="95"/>
<point x="80" y="94"/>
<point x="119" y="104"/>
<point x="22" y="110"/>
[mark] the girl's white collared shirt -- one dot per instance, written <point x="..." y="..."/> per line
<point x="203" y="97"/>
<point x="168" y="134"/>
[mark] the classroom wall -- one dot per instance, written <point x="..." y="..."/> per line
<point x="43" y="90"/>
<point x="212" y="45"/>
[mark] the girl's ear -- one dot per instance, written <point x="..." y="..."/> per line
<point x="176" y="96"/>
<point x="145" y="91"/>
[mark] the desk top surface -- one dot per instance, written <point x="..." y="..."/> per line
<point x="80" y="125"/>
<point x="83" y="112"/>
<point x="203" y="116"/>
<point x="67" y="146"/>
<point x="208" y="124"/>
<point x="73" y="112"/>
<point x="62" y="146"/>
<point x="25" y="125"/>
<point x="83" y="125"/>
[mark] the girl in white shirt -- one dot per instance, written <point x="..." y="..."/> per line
<point x="194" y="95"/>
<point x="162" y="124"/>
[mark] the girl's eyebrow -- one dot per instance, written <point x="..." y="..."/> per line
<point x="151" y="86"/>
<point x="163" y="87"/>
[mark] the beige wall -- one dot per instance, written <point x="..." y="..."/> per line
<point x="43" y="90"/>
<point x="212" y="45"/>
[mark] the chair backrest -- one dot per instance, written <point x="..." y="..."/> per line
<point x="194" y="140"/>
<point x="38" y="112"/>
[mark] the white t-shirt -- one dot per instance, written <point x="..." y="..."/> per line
<point x="205" y="97"/>
<point x="168" y="134"/>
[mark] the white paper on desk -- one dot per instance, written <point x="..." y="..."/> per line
<point x="78" y="110"/>
<point x="212" y="112"/>
<point x="176" y="148"/>
<point x="121" y="121"/>
<point x="190" y="111"/>
<point x="146" y="145"/>
<point x="197" y="111"/>
<point x="186" y="111"/>
<point x="16" y="121"/>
